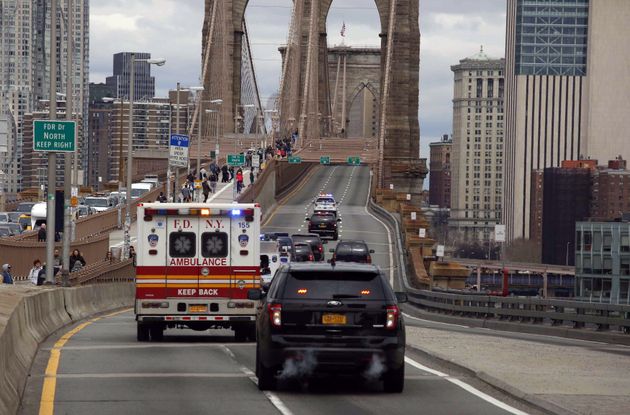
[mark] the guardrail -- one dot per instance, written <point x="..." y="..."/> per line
<point x="534" y="311"/>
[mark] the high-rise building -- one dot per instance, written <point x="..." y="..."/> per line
<point x="477" y="159"/>
<point x="440" y="172"/>
<point x="566" y="91"/>
<point x="144" y="83"/>
<point x="25" y="71"/>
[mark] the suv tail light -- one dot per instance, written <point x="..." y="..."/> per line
<point x="275" y="314"/>
<point x="369" y="259"/>
<point x="321" y="248"/>
<point x="391" y="322"/>
<point x="311" y="257"/>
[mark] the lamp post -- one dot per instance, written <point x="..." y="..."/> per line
<point x="212" y="101"/>
<point x="132" y="71"/>
<point x="273" y="115"/>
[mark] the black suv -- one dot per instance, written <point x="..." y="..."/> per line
<point x="316" y="243"/>
<point x="302" y="252"/>
<point x="352" y="251"/>
<point x="324" y="224"/>
<point x="341" y="318"/>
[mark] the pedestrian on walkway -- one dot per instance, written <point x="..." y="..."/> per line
<point x="239" y="180"/>
<point x="41" y="233"/>
<point x="7" y="278"/>
<point x="185" y="194"/>
<point x="109" y="257"/>
<point x="57" y="262"/>
<point x="161" y="198"/>
<point x="206" y="190"/>
<point x="33" y="274"/>
<point x="76" y="261"/>
<point x="251" y="177"/>
<point x="132" y="255"/>
<point x="225" y="174"/>
<point x="213" y="183"/>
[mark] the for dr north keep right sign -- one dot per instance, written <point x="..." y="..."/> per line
<point x="54" y="136"/>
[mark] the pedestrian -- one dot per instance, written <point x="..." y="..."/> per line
<point x="132" y="255"/>
<point x="206" y="190"/>
<point x="7" y="278"/>
<point x="56" y="262"/>
<point x="41" y="233"/>
<point x="239" y="180"/>
<point x="33" y="274"/>
<point x="251" y="177"/>
<point x="203" y="174"/>
<point x="161" y="198"/>
<point x="185" y="194"/>
<point x="41" y="277"/>
<point x="76" y="261"/>
<point x="109" y="257"/>
<point x="231" y="171"/>
<point x="213" y="183"/>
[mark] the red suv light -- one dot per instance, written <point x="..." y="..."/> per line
<point x="391" y="321"/>
<point x="275" y="314"/>
<point x="311" y="257"/>
<point x="369" y="259"/>
<point x="321" y="248"/>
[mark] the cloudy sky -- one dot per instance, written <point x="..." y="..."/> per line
<point x="450" y="29"/>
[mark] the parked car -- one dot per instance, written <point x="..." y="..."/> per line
<point x="345" y="318"/>
<point x="352" y="251"/>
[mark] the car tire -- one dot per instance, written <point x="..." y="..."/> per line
<point x="335" y="237"/>
<point x="394" y="380"/>
<point x="266" y="377"/>
<point x="157" y="333"/>
<point x="142" y="332"/>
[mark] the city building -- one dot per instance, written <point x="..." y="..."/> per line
<point x="100" y="142"/>
<point x="602" y="260"/>
<point x="144" y="83"/>
<point x="477" y="149"/>
<point x="440" y="172"/>
<point x="611" y="191"/>
<point x="566" y="92"/>
<point x="566" y="200"/>
<point x="25" y="72"/>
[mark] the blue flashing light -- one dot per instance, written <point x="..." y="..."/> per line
<point x="236" y="212"/>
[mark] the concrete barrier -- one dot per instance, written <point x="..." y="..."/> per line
<point x="28" y="315"/>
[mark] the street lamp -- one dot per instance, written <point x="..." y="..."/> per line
<point x="215" y="102"/>
<point x="154" y="61"/>
<point x="195" y="89"/>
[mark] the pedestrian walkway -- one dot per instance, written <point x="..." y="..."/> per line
<point x="565" y="376"/>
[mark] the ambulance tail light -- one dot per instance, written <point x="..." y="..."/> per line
<point x="154" y="305"/>
<point x="275" y="314"/>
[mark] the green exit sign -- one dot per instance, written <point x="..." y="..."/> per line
<point x="54" y="136"/>
<point x="236" y="160"/>
<point x="324" y="160"/>
<point x="354" y="161"/>
<point x="295" y="160"/>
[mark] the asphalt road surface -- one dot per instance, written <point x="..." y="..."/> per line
<point x="103" y="370"/>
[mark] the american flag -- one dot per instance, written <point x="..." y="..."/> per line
<point x="343" y="30"/>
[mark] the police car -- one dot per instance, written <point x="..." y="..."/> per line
<point x="325" y="203"/>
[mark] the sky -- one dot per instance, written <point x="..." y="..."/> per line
<point x="450" y="30"/>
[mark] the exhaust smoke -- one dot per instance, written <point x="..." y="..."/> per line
<point x="301" y="366"/>
<point x="376" y="368"/>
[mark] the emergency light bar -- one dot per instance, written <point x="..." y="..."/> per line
<point x="248" y="214"/>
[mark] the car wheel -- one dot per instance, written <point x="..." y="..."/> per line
<point x="142" y="333"/>
<point x="266" y="377"/>
<point x="394" y="380"/>
<point x="335" y="237"/>
<point x="157" y="333"/>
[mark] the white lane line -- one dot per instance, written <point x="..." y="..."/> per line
<point x="272" y="397"/>
<point x="149" y="375"/>
<point x="468" y="388"/>
<point x="434" y="322"/>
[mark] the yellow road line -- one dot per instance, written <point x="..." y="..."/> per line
<point x="47" y="401"/>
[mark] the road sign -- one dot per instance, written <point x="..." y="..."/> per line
<point x="422" y="233"/>
<point x="236" y="160"/>
<point x="324" y="160"/>
<point x="499" y="233"/>
<point x="74" y="201"/>
<point x="54" y="136"/>
<point x="198" y="184"/>
<point x="354" y="161"/>
<point x="213" y="154"/>
<point x="178" y="150"/>
<point x="255" y="161"/>
<point x="439" y="252"/>
<point x="414" y="215"/>
<point x="295" y="160"/>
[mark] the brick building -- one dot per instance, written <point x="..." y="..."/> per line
<point x="440" y="172"/>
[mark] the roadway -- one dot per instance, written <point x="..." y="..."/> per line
<point x="99" y="368"/>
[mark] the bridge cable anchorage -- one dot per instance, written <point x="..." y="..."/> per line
<point x="386" y="86"/>
<point x="290" y="82"/>
<point x="250" y="82"/>
<point x="310" y="95"/>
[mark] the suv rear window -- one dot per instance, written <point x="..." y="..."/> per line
<point x="328" y="285"/>
<point x="351" y="252"/>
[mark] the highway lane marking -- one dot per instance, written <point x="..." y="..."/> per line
<point x="47" y="401"/>
<point x="272" y="397"/>
<point x="165" y="345"/>
<point x="149" y="375"/>
<point x="468" y="388"/>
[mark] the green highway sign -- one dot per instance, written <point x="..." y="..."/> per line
<point x="354" y="161"/>
<point x="54" y="136"/>
<point x="236" y="160"/>
<point x="295" y="160"/>
<point x="324" y="160"/>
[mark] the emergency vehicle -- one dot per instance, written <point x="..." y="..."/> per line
<point x="195" y="265"/>
<point x="325" y="203"/>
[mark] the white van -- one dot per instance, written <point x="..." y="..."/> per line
<point x="139" y="189"/>
<point x="270" y="260"/>
<point x="151" y="178"/>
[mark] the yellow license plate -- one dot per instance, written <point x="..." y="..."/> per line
<point x="322" y="225"/>
<point x="198" y="308"/>
<point x="333" y="319"/>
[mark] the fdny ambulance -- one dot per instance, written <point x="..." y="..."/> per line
<point x="195" y="265"/>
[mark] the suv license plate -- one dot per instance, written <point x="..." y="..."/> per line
<point x="334" y="319"/>
<point x="198" y="308"/>
<point x="322" y="225"/>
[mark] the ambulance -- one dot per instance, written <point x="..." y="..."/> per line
<point x="195" y="266"/>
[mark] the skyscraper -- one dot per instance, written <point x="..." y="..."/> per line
<point x="566" y="90"/>
<point x="144" y="83"/>
<point x="24" y="70"/>
<point x="477" y="159"/>
<point x="440" y="172"/>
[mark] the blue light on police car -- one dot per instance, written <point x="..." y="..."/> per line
<point x="236" y="212"/>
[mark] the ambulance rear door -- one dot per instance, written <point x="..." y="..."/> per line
<point x="245" y="243"/>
